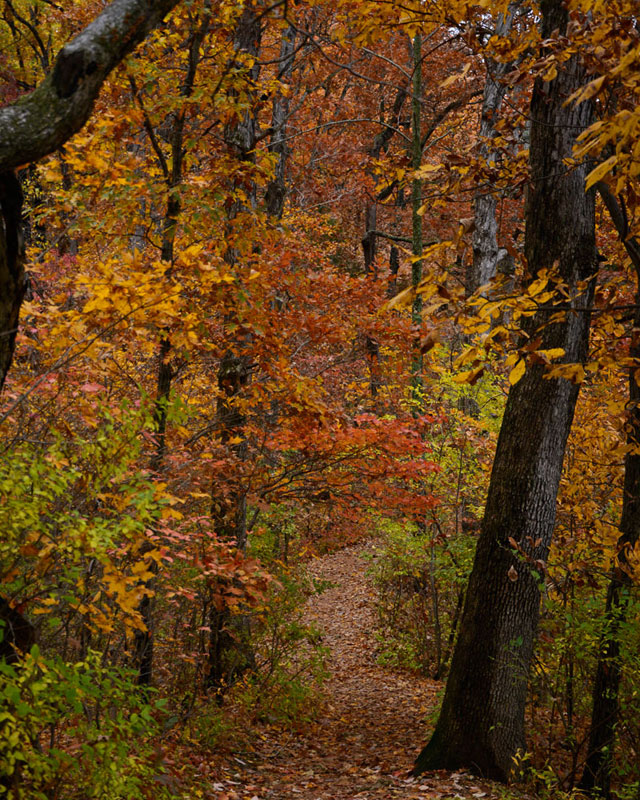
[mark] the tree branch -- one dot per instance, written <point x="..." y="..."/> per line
<point x="619" y="218"/>
<point x="42" y="121"/>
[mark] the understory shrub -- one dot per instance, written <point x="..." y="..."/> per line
<point x="77" y="731"/>
<point x="420" y="581"/>
<point x="284" y="684"/>
<point x="561" y="685"/>
<point x="290" y="657"/>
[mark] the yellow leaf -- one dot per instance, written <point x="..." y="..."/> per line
<point x="537" y="286"/>
<point x="193" y="250"/>
<point x="427" y="169"/>
<point x="571" y="372"/>
<point x="470" y="377"/>
<point x="458" y="76"/>
<point x="517" y="372"/>
<point x="588" y="91"/>
<point x="600" y="171"/>
<point x="401" y="300"/>
<point x="553" y="352"/>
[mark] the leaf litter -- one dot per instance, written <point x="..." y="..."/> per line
<point x="371" y="726"/>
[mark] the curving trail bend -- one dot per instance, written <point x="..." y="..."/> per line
<point x="370" y="727"/>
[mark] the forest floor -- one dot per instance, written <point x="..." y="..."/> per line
<point x="368" y="730"/>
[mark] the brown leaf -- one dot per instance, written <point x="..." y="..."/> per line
<point x="429" y="341"/>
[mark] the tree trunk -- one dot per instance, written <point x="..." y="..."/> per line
<point x="604" y="716"/>
<point x="486" y="251"/>
<point x="40" y="122"/>
<point x="416" y="219"/>
<point x="12" y="274"/>
<point x="234" y="372"/>
<point x="481" y="724"/>
<point x="596" y="776"/>
<point x="230" y="651"/>
<point x="173" y="175"/>
<point x="17" y="634"/>
<point x="276" y="190"/>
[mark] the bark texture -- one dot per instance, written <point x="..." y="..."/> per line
<point x="277" y="190"/>
<point x="606" y="688"/>
<point x="12" y="274"/>
<point x="234" y="372"/>
<point x="230" y="652"/>
<point x="380" y="145"/>
<point x="486" y="252"/>
<point x="481" y="724"/>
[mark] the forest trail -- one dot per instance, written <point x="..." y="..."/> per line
<point x="371" y="725"/>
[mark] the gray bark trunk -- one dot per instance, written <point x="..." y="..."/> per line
<point x="486" y="252"/>
<point x="276" y="190"/>
<point x="481" y="724"/>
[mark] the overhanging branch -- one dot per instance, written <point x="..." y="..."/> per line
<point x="39" y="123"/>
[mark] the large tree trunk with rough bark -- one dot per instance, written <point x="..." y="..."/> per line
<point x="481" y="724"/>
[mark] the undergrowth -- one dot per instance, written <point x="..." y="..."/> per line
<point x="420" y="583"/>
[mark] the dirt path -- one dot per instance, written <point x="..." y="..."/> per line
<point x="370" y="729"/>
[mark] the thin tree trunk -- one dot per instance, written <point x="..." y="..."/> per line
<point x="597" y="771"/>
<point x="394" y="253"/>
<point x="230" y="652"/>
<point x="234" y="372"/>
<point x="416" y="217"/>
<point x="173" y="173"/>
<point x="369" y="240"/>
<point x="276" y="190"/>
<point x="481" y="724"/>
<point x="486" y="252"/>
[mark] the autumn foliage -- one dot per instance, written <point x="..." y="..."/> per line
<point x="252" y="336"/>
